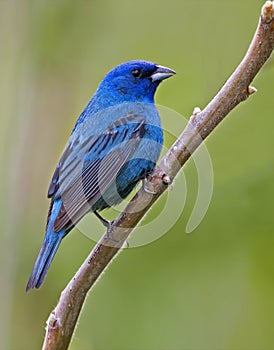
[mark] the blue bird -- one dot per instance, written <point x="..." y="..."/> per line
<point x="115" y="143"/>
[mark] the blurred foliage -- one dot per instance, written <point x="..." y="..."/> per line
<point x="212" y="289"/>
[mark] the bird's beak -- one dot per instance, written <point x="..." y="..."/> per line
<point x="162" y="73"/>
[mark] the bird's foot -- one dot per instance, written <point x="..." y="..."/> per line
<point x="108" y="224"/>
<point x="146" y="189"/>
<point x="116" y="242"/>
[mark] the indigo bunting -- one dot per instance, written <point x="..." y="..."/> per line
<point x="115" y="143"/>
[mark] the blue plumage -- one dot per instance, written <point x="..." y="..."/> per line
<point x="115" y="143"/>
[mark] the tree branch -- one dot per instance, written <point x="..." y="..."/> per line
<point x="63" y="318"/>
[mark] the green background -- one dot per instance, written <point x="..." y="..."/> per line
<point x="211" y="289"/>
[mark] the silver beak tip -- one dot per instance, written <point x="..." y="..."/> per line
<point x="162" y="73"/>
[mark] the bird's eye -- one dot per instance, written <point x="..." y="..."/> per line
<point x="136" y="72"/>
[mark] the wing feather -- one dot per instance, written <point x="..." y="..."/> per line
<point x="103" y="158"/>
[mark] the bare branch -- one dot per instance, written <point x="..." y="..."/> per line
<point x="62" y="320"/>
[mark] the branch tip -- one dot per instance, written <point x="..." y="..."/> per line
<point x="268" y="11"/>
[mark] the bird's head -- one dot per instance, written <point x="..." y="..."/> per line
<point x="134" y="81"/>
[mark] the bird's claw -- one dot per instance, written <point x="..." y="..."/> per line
<point x="108" y="225"/>
<point x="115" y="241"/>
<point x="146" y="189"/>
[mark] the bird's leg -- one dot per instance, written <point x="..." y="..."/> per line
<point x="145" y="187"/>
<point x="105" y="222"/>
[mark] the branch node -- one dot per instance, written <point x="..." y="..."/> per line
<point x="52" y="321"/>
<point x="196" y="111"/>
<point x="268" y="12"/>
<point x="251" y="90"/>
<point x="167" y="180"/>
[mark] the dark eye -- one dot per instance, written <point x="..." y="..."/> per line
<point x="136" y="72"/>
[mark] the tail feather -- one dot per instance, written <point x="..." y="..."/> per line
<point x="48" y="250"/>
<point x="44" y="260"/>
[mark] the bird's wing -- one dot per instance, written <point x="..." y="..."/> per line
<point x="81" y="180"/>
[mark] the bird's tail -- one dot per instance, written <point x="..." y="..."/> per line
<point x="48" y="250"/>
<point x="44" y="259"/>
